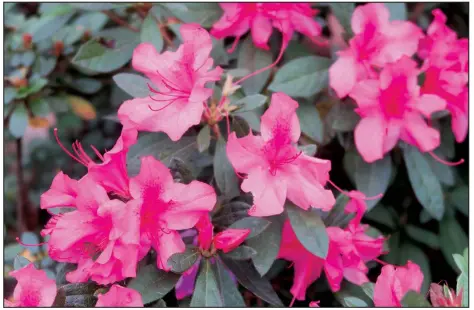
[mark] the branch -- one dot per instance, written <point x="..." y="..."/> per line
<point x="21" y="189"/>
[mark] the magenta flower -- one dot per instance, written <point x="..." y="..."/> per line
<point x="276" y="169"/>
<point x="119" y="296"/>
<point x="376" y="42"/>
<point x="180" y="77"/>
<point x="33" y="289"/>
<point x="260" y="18"/>
<point x="101" y="236"/>
<point x="230" y="239"/>
<point x="446" y="71"/>
<point x="62" y="193"/>
<point x="394" y="282"/>
<point x="392" y="108"/>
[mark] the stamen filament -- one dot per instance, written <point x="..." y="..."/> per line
<point x="447" y="163"/>
<point x="26" y="245"/>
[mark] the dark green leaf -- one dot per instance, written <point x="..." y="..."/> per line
<point x="460" y="199"/>
<point x="251" y="102"/>
<point x="337" y="216"/>
<point x="253" y="59"/>
<point x="423" y="236"/>
<point x="80" y="301"/>
<point x="426" y="186"/>
<point x="79" y="288"/>
<point x="180" y="262"/>
<point x="383" y="215"/>
<point x="153" y="283"/>
<point x="343" y="12"/>
<point x="310" y="229"/>
<point x="219" y="53"/>
<point x="242" y="252"/>
<point x="18" y="121"/>
<point x="415" y="300"/>
<point x="206" y="290"/>
<point x="92" y="21"/>
<point x="180" y="171"/>
<point x="268" y="245"/>
<point x="352" y="295"/>
<point x="230" y="294"/>
<point x="86" y="85"/>
<point x="398" y="11"/>
<point x="47" y="26"/>
<point x="205" y="14"/>
<point x="256" y="225"/>
<point x="135" y="85"/>
<point x="310" y="121"/>
<point x="20" y="262"/>
<point x="224" y="174"/>
<point x="150" y="32"/>
<point x="409" y="251"/>
<point x="204" y="138"/>
<point x="444" y="173"/>
<point x="160" y="303"/>
<point x="230" y="213"/>
<point x="251" y="280"/>
<point x="344" y="118"/>
<point x="61" y="270"/>
<point x="89" y="6"/>
<point x="302" y="77"/>
<point x="452" y="239"/>
<point x="44" y="65"/>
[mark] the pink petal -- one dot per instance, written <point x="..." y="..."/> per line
<point x="34" y="288"/>
<point x="369" y="138"/>
<point x="168" y="244"/>
<point x="366" y="94"/>
<point x="90" y="195"/>
<point x="372" y="13"/>
<point x="197" y="44"/>
<point x="428" y="104"/>
<point x="245" y="153"/>
<point x="62" y="193"/>
<point x="279" y="121"/>
<point x="305" y="24"/>
<point x="383" y="294"/>
<point x="119" y="296"/>
<point x="419" y="134"/>
<point x="230" y="238"/>
<point x="343" y="74"/>
<point x="407" y="278"/>
<point x="355" y="276"/>
<point x="261" y="31"/>
<point x="154" y="176"/>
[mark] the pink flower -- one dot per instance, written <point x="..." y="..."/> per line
<point x="394" y="282"/>
<point x="276" y="169"/>
<point x="356" y="205"/>
<point x="101" y="236"/>
<point x="119" y="296"/>
<point x="376" y="42"/>
<point x="62" y="193"/>
<point x="230" y="239"/>
<point x="167" y="207"/>
<point x="443" y="296"/>
<point x="181" y="77"/>
<point x="445" y="70"/>
<point x="33" y="289"/>
<point x="392" y="108"/>
<point x="239" y="18"/>
<point x="314" y="304"/>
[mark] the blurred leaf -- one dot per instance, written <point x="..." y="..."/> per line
<point x="256" y="225"/>
<point x="86" y="85"/>
<point x="460" y="199"/>
<point x="44" y="65"/>
<point x="242" y="252"/>
<point x="251" y="280"/>
<point x="20" y="262"/>
<point x="135" y="85"/>
<point x="309" y="228"/>
<point x="452" y="239"/>
<point x="81" y="107"/>
<point x="11" y="251"/>
<point x="423" y="236"/>
<point x="224" y="173"/>
<point x="219" y="53"/>
<point x="411" y="252"/>
<point x="383" y="215"/>
<point x="47" y="25"/>
<point x="398" y="11"/>
<point x="444" y="174"/>
<point x="180" y="262"/>
<point x="424" y="183"/>
<point x="352" y="295"/>
<point x="251" y="102"/>
<point x="337" y="216"/>
<point x="54" y="9"/>
<point x="206" y="290"/>
<point x="204" y="138"/>
<point x="9" y="94"/>
<point x="230" y="294"/>
<point x="309" y="149"/>
<point x="92" y="21"/>
<point x="150" y="32"/>
<point x="344" y="117"/>
<point x="343" y="12"/>
<point x="89" y="6"/>
<point x="159" y="304"/>
<point x="415" y="300"/>
<point x="34" y="86"/>
<point x="268" y="245"/>
<point x="252" y="58"/>
<point x="310" y="121"/>
<point x="31" y="238"/>
<point x="153" y="283"/>
<point x="18" y="121"/>
<point x="205" y="14"/>
<point x="302" y="77"/>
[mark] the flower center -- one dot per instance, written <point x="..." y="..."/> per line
<point x="395" y="97"/>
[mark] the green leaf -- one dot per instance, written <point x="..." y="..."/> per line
<point x="150" y="32"/>
<point x="230" y="294"/>
<point x="11" y="251"/>
<point x="229" y="213"/>
<point x="398" y="11"/>
<point x="251" y="280"/>
<point x="302" y="77"/>
<point x="79" y="288"/>
<point x="29" y="237"/>
<point x="8" y="95"/>
<point x="86" y="85"/>
<point x="452" y="239"/>
<point x="153" y="283"/>
<point x="18" y="121"/>
<point x="205" y="14"/>
<point x="344" y="117"/>
<point x="20" y="262"/>
<point x="268" y="245"/>
<point x="219" y="53"/>
<point x="92" y="21"/>
<point x="242" y="252"/>
<point x="343" y="12"/>
<point x="310" y="121"/>
<point x="426" y="186"/>
<point x="253" y="58"/>
<point x="411" y="252"/>
<point x="89" y="6"/>
<point x="98" y="58"/>
<point x="257" y="225"/>
<point x="415" y="300"/>
<point x="224" y="174"/>
<point x="460" y="199"/>
<point x="133" y="84"/>
<point x="423" y="236"/>
<point x="44" y="65"/>
<point x="251" y="102"/>
<point x="372" y="179"/>
<point x="310" y="229"/>
<point x="383" y="215"/>
<point x="34" y="86"/>
<point x="80" y="301"/>
<point x="337" y="216"/>
<point x="47" y="25"/>
<point x="160" y="303"/>
<point x="445" y="174"/>
<point x="180" y="262"/>
<point x="308" y="149"/>
<point x="206" y="290"/>
<point x="352" y="295"/>
<point x="462" y="263"/>
<point x="204" y="138"/>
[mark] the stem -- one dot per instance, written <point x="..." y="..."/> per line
<point x="114" y="17"/>
<point x="21" y="190"/>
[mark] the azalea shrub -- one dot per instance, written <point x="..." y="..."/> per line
<point x="236" y="154"/>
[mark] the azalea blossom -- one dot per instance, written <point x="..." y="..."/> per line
<point x="275" y="168"/>
<point x="446" y="71"/>
<point x="394" y="282"/>
<point x="376" y="42"/>
<point x="261" y="18"/>
<point x="119" y="296"/>
<point x="393" y="108"/>
<point x="180" y="78"/>
<point x="33" y="288"/>
<point x="443" y="296"/>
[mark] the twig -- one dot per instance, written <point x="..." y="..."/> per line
<point x="119" y="21"/>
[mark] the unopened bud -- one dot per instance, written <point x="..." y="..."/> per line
<point x="58" y="48"/>
<point x="27" y="40"/>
